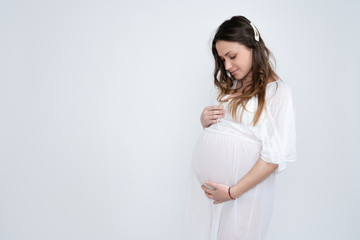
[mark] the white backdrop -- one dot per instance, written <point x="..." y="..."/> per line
<point x="100" y="104"/>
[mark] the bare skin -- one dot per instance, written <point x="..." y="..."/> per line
<point x="237" y="60"/>
<point x="260" y="171"/>
<point x="211" y="114"/>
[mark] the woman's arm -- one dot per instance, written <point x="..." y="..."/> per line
<point x="260" y="171"/>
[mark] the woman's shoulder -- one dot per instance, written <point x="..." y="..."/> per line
<point x="278" y="89"/>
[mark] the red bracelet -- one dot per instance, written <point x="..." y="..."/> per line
<point x="230" y="194"/>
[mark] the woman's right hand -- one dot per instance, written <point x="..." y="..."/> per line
<point x="211" y="114"/>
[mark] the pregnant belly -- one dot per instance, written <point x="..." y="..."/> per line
<point x="222" y="157"/>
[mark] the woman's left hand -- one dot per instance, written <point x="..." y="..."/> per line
<point x="220" y="194"/>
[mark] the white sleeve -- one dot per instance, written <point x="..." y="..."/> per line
<point x="276" y="130"/>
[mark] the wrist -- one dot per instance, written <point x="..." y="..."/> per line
<point x="230" y="193"/>
<point x="235" y="191"/>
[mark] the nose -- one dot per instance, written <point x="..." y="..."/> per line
<point x="227" y="65"/>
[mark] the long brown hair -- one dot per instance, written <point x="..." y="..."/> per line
<point x="238" y="29"/>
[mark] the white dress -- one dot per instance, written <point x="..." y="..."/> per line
<point x="224" y="153"/>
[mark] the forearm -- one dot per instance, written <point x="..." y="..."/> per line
<point x="257" y="174"/>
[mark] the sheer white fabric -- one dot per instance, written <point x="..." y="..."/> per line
<point x="224" y="153"/>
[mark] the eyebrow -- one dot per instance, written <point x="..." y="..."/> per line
<point x="227" y="53"/>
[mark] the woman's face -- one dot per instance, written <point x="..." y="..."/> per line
<point x="237" y="58"/>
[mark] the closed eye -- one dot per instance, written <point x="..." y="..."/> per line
<point x="223" y="60"/>
<point x="230" y="58"/>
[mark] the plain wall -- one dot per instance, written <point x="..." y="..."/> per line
<point x="100" y="104"/>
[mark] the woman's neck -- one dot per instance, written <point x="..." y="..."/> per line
<point x="246" y="82"/>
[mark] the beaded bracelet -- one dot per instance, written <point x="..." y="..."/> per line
<point x="230" y="194"/>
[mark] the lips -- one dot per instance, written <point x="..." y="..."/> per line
<point x="234" y="72"/>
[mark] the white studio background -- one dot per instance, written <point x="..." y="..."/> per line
<point x="100" y="104"/>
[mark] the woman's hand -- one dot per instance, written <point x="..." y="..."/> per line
<point x="211" y="114"/>
<point x="220" y="194"/>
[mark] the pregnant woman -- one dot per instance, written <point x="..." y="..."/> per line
<point x="246" y="142"/>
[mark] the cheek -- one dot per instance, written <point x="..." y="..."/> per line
<point x="248" y="62"/>
<point x="244" y="63"/>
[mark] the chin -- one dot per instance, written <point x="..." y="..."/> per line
<point x="238" y="77"/>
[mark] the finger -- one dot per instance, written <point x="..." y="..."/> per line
<point x="211" y="108"/>
<point x="216" y="116"/>
<point x="210" y="196"/>
<point x="216" y="111"/>
<point x="214" y="121"/>
<point x="214" y="107"/>
<point x="218" y="107"/>
<point x="209" y="187"/>
<point x="211" y="184"/>
<point x="207" y="190"/>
